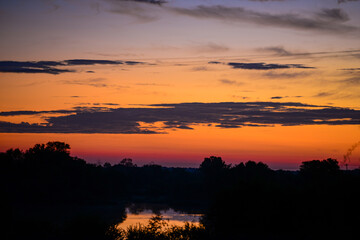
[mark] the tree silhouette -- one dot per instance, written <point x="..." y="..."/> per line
<point x="317" y="167"/>
<point x="127" y="162"/>
<point x="213" y="165"/>
<point x="58" y="147"/>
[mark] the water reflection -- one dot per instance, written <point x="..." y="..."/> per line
<point x="170" y="215"/>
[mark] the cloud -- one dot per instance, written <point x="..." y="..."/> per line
<point x="74" y="62"/>
<point x="32" y="67"/>
<point x="183" y="116"/>
<point x="18" y="113"/>
<point x="356" y="55"/>
<point x="352" y="81"/>
<point x="345" y="1"/>
<point x="132" y="63"/>
<point x="325" y="21"/>
<point x="241" y="97"/>
<point x="125" y="128"/>
<point x="98" y="104"/>
<point x="278" y="75"/>
<point x="264" y="66"/>
<point x="261" y="65"/>
<point x="143" y="10"/>
<point x="93" y="82"/>
<point x="62" y="111"/>
<point x="111" y="104"/>
<point x="211" y="48"/>
<point x="156" y="2"/>
<point x="350" y="69"/>
<point x="324" y="94"/>
<point x="214" y="62"/>
<point x="280" y="51"/>
<point x="52" y="67"/>
<point x="200" y="69"/>
<point x="277" y="51"/>
<point x="281" y="97"/>
<point x="230" y="82"/>
<point x="333" y="14"/>
<point x="151" y="84"/>
<point x="353" y="77"/>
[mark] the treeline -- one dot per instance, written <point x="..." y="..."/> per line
<point x="254" y="202"/>
<point x="48" y="174"/>
<point x="244" y="201"/>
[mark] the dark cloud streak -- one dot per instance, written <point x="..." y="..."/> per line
<point x="264" y="66"/>
<point x="261" y="65"/>
<point x="32" y="67"/>
<point x="74" y="62"/>
<point x="183" y="116"/>
<point x="156" y="2"/>
<point x="51" y="67"/>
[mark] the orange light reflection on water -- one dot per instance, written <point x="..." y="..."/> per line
<point x="172" y="218"/>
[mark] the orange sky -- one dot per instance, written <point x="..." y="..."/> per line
<point x="173" y="54"/>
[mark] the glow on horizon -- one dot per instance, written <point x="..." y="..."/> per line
<point x="183" y="148"/>
<point x="181" y="52"/>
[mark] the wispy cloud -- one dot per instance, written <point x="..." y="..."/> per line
<point x="324" y="94"/>
<point x="230" y="82"/>
<point x="93" y="82"/>
<point x="333" y="15"/>
<point x="286" y="75"/>
<point x="142" y="10"/>
<point x="351" y="81"/>
<point x="200" y="69"/>
<point x="152" y="84"/>
<point x="156" y="2"/>
<point x="277" y="51"/>
<point x="350" y="69"/>
<point x="211" y="48"/>
<point x="345" y="1"/>
<point x="352" y="77"/>
<point x="327" y="20"/>
<point x="280" y="51"/>
<point x="281" y="97"/>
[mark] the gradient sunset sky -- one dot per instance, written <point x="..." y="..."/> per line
<point x="172" y="82"/>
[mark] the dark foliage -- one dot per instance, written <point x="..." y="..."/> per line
<point x="245" y="201"/>
<point x="159" y="229"/>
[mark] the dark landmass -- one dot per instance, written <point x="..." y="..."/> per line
<point x="49" y="194"/>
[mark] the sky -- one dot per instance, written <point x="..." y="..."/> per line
<point x="172" y="82"/>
